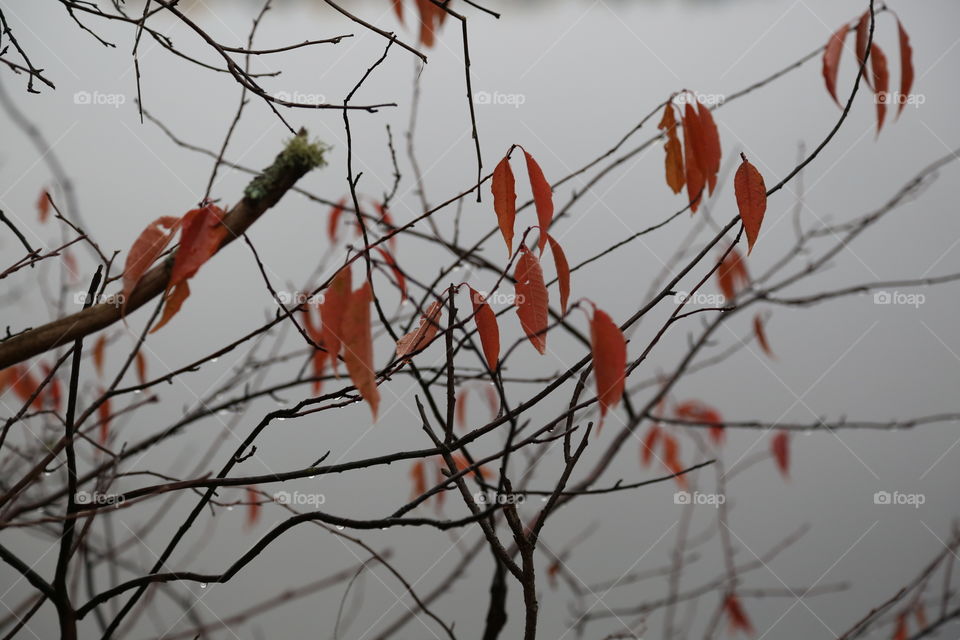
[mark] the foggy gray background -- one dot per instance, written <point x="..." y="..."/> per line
<point x="588" y="72"/>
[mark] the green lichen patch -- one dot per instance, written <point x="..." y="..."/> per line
<point x="300" y="156"/>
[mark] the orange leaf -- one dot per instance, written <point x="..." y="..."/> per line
<point x="563" y="271"/>
<point x="174" y="300"/>
<point x="711" y="144"/>
<point x="863" y="35"/>
<point x="697" y="411"/>
<point x="24" y="384"/>
<point x="419" y="476"/>
<point x="487" y="327"/>
<point x="200" y="237"/>
<point x="253" y="507"/>
<point x="542" y="197"/>
<point x="609" y="349"/>
<point x="695" y="176"/>
<point x="145" y="249"/>
<point x="398" y="276"/>
<point x="831" y="60"/>
<point x="104" y="415"/>
<point x="671" y="458"/>
<point x="780" y="447"/>
<point x="532" y="299"/>
<point x="761" y="335"/>
<point x="881" y="81"/>
<point x="504" y="191"/>
<point x="649" y="444"/>
<point x="335" y="300"/>
<point x="420" y="338"/>
<point x="461" y="407"/>
<point x="901" y="632"/>
<point x="333" y="220"/>
<point x="140" y="361"/>
<point x="673" y="160"/>
<point x="751" y="200"/>
<point x="732" y="275"/>
<point x="358" y="346"/>
<point x="906" y="67"/>
<point x="98" y="350"/>
<point x="738" y="618"/>
<point x="43" y="206"/>
<point x="398" y="9"/>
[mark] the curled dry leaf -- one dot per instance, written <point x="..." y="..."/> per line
<point x="711" y="146"/>
<point x="532" y="299"/>
<point x="732" y="275"/>
<point x="542" y="197"/>
<point x="673" y="151"/>
<point x="831" y="60"/>
<point x="906" y="66"/>
<point x="503" y="186"/>
<point x="148" y="246"/>
<point x="696" y="411"/>
<point x="751" y="195"/>
<point x="421" y="337"/>
<point x="358" y="346"/>
<point x="487" y="328"/>
<point x="563" y="271"/>
<point x="881" y="82"/>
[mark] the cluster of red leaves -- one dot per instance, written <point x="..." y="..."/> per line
<point x="877" y="75"/>
<point x="696" y="162"/>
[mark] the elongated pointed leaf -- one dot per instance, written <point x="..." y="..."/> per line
<point x="673" y="150"/>
<point x="146" y="249"/>
<point x="863" y="36"/>
<point x="881" y="82"/>
<point x="711" y="145"/>
<point x="609" y="349"/>
<point x="761" y="335"/>
<point x="487" y="328"/>
<point x="336" y="297"/>
<point x="542" y="197"/>
<point x="504" y="191"/>
<point x="831" y="60"/>
<point x="780" y="447"/>
<point x="532" y="299"/>
<point x="563" y="272"/>
<point x="906" y="67"/>
<point x="751" y="200"/>
<point x="172" y="303"/>
<point x="358" y="346"/>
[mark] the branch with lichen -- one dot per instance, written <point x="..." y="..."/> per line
<point x="298" y="157"/>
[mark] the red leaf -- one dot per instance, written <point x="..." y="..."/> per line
<point x="24" y="384"/>
<point x="609" y="349"/>
<point x="671" y="458"/>
<point x="751" y="200"/>
<point x="881" y="81"/>
<point x="333" y="219"/>
<point x="711" y="143"/>
<point x="504" y="191"/>
<point x="906" y="67"/>
<point x="98" y="351"/>
<point x="901" y="632"/>
<point x="420" y="338"/>
<point x="398" y="9"/>
<point x="253" y="507"/>
<point x="104" y="415"/>
<point x="732" y="275"/>
<point x="863" y="35"/>
<point x="461" y="407"/>
<point x="649" y="444"/>
<point x="695" y="176"/>
<point x="831" y="60"/>
<point x="696" y="411"/>
<point x="419" y="476"/>
<point x="200" y="236"/>
<point x="761" y="335"/>
<point x="174" y="300"/>
<point x="358" y="346"/>
<point x="738" y="618"/>
<point x="673" y="159"/>
<point x="532" y="299"/>
<point x="335" y="300"/>
<point x="780" y="447"/>
<point x="563" y="271"/>
<point x="542" y="197"/>
<point x="140" y="361"/>
<point x="43" y="206"/>
<point x="145" y="249"/>
<point x="486" y="321"/>
<point x="398" y="276"/>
